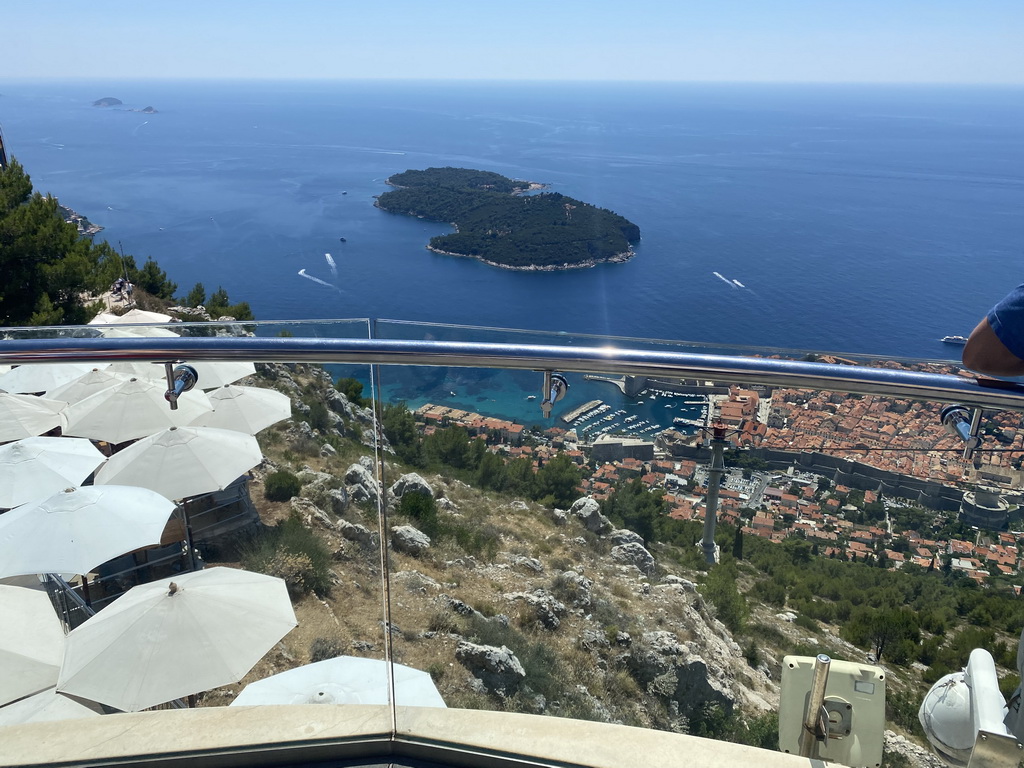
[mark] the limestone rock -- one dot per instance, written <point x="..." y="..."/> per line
<point x="362" y="484"/>
<point x="635" y="554"/>
<point x="527" y="563"/>
<point x="574" y="587"/>
<point x="447" y="505"/>
<point x="496" y="668"/>
<point x="666" y="667"/>
<point x="589" y="513"/>
<point x="625" y="536"/>
<point x="310" y="512"/>
<point x="337" y="499"/>
<point x="918" y="756"/>
<point x="593" y="639"/>
<point x="411" y="541"/>
<point x="360" y="534"/>
<point x="546" y="606"/>
<point x="411" y="483"/>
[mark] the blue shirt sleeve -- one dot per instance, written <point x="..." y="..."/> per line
<point x="1007" y="320"/>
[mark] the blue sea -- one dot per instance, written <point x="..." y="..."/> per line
<point x="872" y="219"/>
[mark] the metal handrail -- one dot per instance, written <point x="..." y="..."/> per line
<point x="852" y="379"/>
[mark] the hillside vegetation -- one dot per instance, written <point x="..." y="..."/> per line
<point x="497" y="224"/>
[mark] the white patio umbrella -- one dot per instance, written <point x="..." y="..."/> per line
<point x="31" y="643"/>
<point x="77" y="529"/>
<point x="153" y="371"/>
<point x="132" y="317"/>
<point x="138" y="331"/>
<point x="245" y="409"/>
<point x="169" y="639"/>
<point x="38" y="467"/>
<point x="183" y="461"/>
<point x="45" y="707"/>
<point x="40" y="377"/>
<point x="213" y="375"/>
<point x="86" y="385"/>
<point x="343" y="680"/>
<point x="130" y="410"/>
<point x="28" y="416"/>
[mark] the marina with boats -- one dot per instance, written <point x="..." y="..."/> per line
<point x="596" y="418"/>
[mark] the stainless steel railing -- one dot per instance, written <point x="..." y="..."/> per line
<point x="610" y="360"/>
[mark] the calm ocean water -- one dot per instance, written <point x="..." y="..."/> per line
<point x="858" y="219"/>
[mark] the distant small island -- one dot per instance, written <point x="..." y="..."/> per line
<point x="498" y="224"/>
<point x="107" y="101"/>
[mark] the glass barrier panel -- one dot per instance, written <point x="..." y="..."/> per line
<point x="267" y="467"/>
<point x="556" y="566"/>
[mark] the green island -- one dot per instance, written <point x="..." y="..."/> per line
<point x="498" y="224"/>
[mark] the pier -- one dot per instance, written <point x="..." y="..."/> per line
<point x="575" y="413"/>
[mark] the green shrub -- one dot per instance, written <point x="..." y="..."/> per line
<point x="323" y="648"/>
<point x="281" y="486"/>
<point x="318" y="417"/>
<point x="292" y="552"/>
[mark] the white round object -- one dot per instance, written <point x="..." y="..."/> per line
<point x="945" y="715"/>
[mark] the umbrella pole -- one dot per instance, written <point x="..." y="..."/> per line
<point x="188" y="535"/>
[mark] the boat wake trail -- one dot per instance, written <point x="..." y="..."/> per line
<point x="332" y="265"/>
<point x="139" y="126"/>
<point x="724" y="279"/>
<point x="302" y="273"/>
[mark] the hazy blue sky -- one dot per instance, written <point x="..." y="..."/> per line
<point x="747" y="40"/>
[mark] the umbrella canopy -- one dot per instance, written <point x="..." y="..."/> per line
<point x="31" y="643"/>
<point x="183" y="461"/>
<point x="40" y="377"/>
<point x="86" y="385"/>
<point x="130" y="410"/>
<point x="213" y="375"/>
<point x="38" y="467"/>
<point x="134" y="332"/>
<point x="132" y="317"/>
<point x="28" y="416"/>
<point x="77" y="529"/>
<point x="153" y="371"/>
<point x="343" y="680"/>
<point x="46" y="706"/>
<point x="210" y="375"/>
<point x="245" y="409"/>
<point x="164" y="640"/>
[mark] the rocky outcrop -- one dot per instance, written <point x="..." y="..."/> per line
<point x="497" y="668"/>
<point x="918" y="756"/>
<point x="625" y="536"/>
<point x="667" y="669"/>
<point x="546" y="607"/>
<point x="362" y="486"/>
<point x="575" y="588"/>
<point x="360" y="534"/>
<point x="589" y="513"/>
<point x="409" y="540"/>
<point x="410" y="483"/>
<point x="635" y="554"/>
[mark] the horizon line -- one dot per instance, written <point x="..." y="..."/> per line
<point x="506" y="81"/>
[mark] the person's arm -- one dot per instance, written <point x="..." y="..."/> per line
<point x="984" y="353"/>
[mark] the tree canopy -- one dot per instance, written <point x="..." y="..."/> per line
<point x="48" y="268"/>
<point x="499" y="225"/>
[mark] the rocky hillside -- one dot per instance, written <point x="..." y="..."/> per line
<point x="508" y="605"/>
